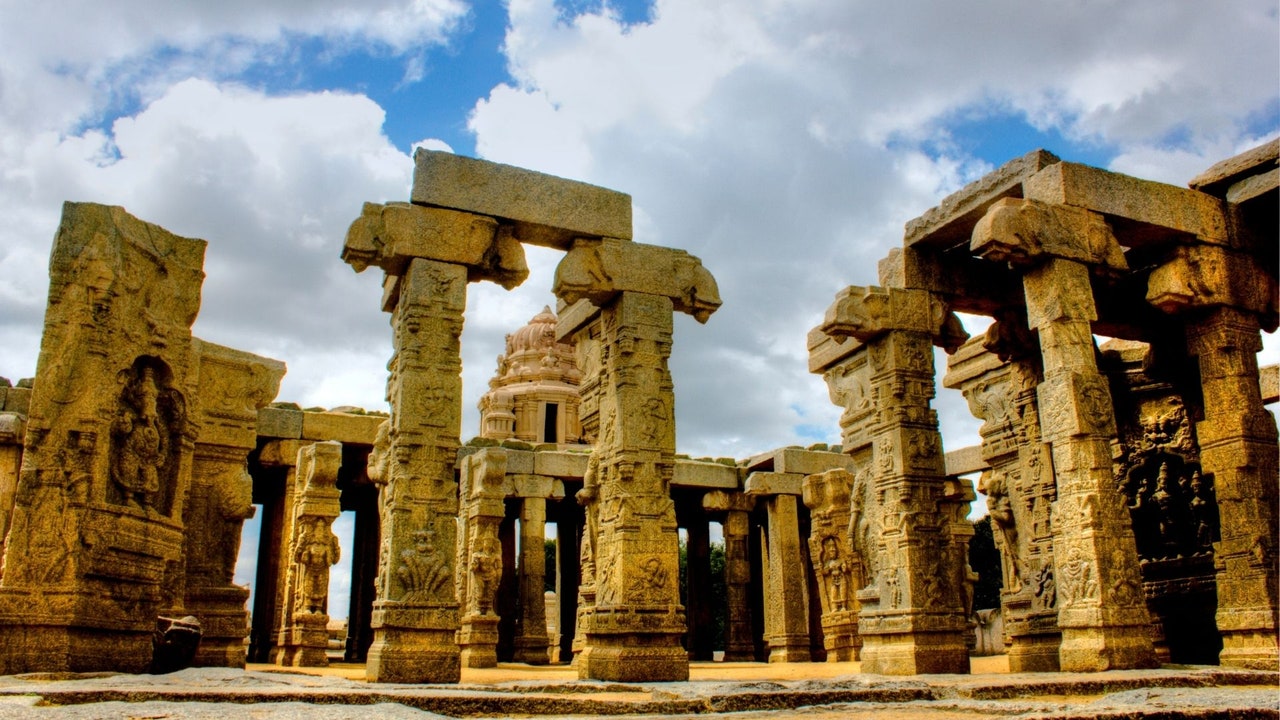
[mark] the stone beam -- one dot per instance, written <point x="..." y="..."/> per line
<point x="866" y="313"/>
<point x="773" y="483"/>
<point x="796" y="460"/>
<point x="1023" y="232"/>
<point x="543" y="209"/>
<point x="598" y="270"/>
<point x="391" y="235"/>
<point x="1203" y="276"/>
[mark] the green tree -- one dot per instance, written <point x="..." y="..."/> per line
<point x="984" y="558"/>
<point x="549" y="579"/>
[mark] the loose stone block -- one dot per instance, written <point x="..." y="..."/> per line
<point x="545" y="210"/>
<point x="274" y="422"/>
<point x="341" y="427"/>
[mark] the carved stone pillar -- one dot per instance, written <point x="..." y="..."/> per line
<point x="912" y="610"/>
<point x="479" y="554"/>
<point x="633" y="630"/>
<point x="1101" y="609"/>
<point x="1226" y="298"/>
<point x="786" y="590"/>
<point x="279" y="458"/>
<point x="13" y="426"/>
<point x="837" y="568"/>
<point x="233" y="386"/>
<point x="531" y="624"/>
<point x="1019" y="486"/>
<point x="736" y="507"/>
<point x="1238" y="446"/>
<point x="313" y="549"/>
<point x="428" y="255"/>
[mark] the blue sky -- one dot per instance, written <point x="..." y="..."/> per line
<point x="785" y="142"/>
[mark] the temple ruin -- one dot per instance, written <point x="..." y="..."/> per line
<point x="1128" y="462"/>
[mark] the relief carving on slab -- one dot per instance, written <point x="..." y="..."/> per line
<point x="145" y="438"/>
<point x="422" y="571"/>
<point x="485" y="569"/>
<point x="317" y="550"/>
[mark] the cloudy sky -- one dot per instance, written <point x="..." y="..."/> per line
<point x="785" y="142"/>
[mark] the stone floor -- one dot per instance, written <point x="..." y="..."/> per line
<point x="748" y="690"/>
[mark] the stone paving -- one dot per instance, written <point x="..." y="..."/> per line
<point x="756" y="690"/>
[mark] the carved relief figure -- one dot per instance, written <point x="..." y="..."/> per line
<point x="835" y="575"/>
<point x="486" y="570"/>
<point x="1045" y="593"/>
<point x="1077" y="582"/>
<point x="653" y="577"/>
<point x="318" y="550"/>
<point x="422" y="572"/>
<point x="994" y="484"/>
<point x="142" y="435"/>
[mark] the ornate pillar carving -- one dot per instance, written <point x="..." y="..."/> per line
<point x="739" y="646"/>
<point x="1226" y="299"/>
<point x="632" y="630"/>
<point x="479" y="554"/>
<point x="837" y="567"/>
<point x="912" y="609"/>
<point x="1101" y="609"/>
<point x="312" y="550"/>
<point x="531" y="624"/>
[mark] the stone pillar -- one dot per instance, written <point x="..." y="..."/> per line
<point x="428" y="255"/>
<point x="1226" y="298"/>
<point x="277" y="481"/>
<point x="835" y="565"/>
<point x="233" y="386"/>
<point x="12" y="429"/>
<point x="1101" y="608"/>
<point x="1019" y="486"/>
<point x="313" y="549"/>
<point x="700" y="620"/>
<point x="531" y="622"/>
<point x="736" y="507"/>
<point x="912" y="617"/>
<point x="479" y="554"/>
<point x="786" y="590"/>
<point x="633" y="630"/>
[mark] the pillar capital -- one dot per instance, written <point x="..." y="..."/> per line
<point x="599" y="269"/>
<point x="391" y="235"/>
<point x="723" y="501"/>
<point x="1025" y="232"/>
<point x="1203" y="276"/>
<point x="865" y="313"/>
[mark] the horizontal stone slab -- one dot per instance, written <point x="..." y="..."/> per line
<point x="799" y="461"/>
<point x="1269" y="380"/>
<point x="274" y="422"/>
<point x="546" y="210"/>
<point x="773" y="483"/>
<point x="965" y="461"/>
<point x="342" y="427"/>
<point x="699" y="474"/>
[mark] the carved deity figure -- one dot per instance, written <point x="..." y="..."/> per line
<point x="422" y="572"/>
<point x="142" y="442"/>
<point x="835" y="575"/>
<point x="994" y="485"/>
<point x="587" y="497"/>
<point x="318" y="550"/>
<point x="486" y="570"/>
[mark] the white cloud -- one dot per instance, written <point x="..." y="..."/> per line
<point x="786" y="143"/>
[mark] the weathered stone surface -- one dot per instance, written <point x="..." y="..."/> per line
<point x="1021" y="232"/>
<point x="275" y="422"/>
<point x="340" y="427"/>
<point x="544" y="209"/>
<point x="1203" y="276"/>
<point x="694" y="474"/>
<point x="598" y="270"/>
<point x="951" y="222"/>
<point x="773" y="483"/>
<point x="390" y="236"/>
<point x="1224" y="174"/>
<point x="964" y="461"/>
<point x="838" y="568"/>
<point x="1269" y="383"/>
<point x="1163" y="212"/>
<point x="560" y="464"/>
<point x="798" y="461"/>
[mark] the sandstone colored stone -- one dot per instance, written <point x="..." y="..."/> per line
<point x="341" y="427"/>
<point x="798" y="461"/>
<point x="1226" y="173"/>
<point x="964" y="461"/>
<point x="545" y="210"/>
<point x="773" y="483"/>
<point x="1269" y="382"/>
<point x="275" y="422"/>
<point x="598" y="270"/>
<point x="694" y="474"/>
<point x="17" y="399"/>
<point x="569" y="465"/>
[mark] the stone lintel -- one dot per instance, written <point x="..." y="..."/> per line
<point x="951" y="222"/>
<point x="545" y="210"/>
<point x="1225" y="173"/>
<point x="536" y="486"/>
<point x="598" y="270"/>
<point x="1023" y="232"/>
<point x="344" y="427"/>
<point x="1269" y="380"/>
<point x="965" y="461"/>
<point x="798" y="461"/>
<point x="1141" y="211"/>
<point x="1254" y="186"/>
<point x="232" y="386"/>
<point x="564" y="465"/>
<point x="722" y="501"/>
<point x="773" y="483"/>
<point x="17" y="399"/>
<point x="570" y="318"/>
<point x="279" y="453"/>
<point x="1201" y="276"/>
<point x="280" y="422"/>
<point x="696" y="474"/>
<point x="971" y="361"/>
<point x="391" y="235"/>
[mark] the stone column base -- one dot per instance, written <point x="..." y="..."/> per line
<point x="532" y="650"/>
<point x="1034" y="653"/>
<point x="478" y="641"/>
<point x="915" y="653"/>
<point x="224" y="624"/>
<point x="304" y="644"/>
<point x="1255" y="651"/>
<point x="840" y="637"/>
<point x="412" y="655"/>
<point x="789" y="649"/>
<point x="633" y="658"/>
<point x="1120" y="648"/>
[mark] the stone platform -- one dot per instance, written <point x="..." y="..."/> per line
<point x="829" y="690"/>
